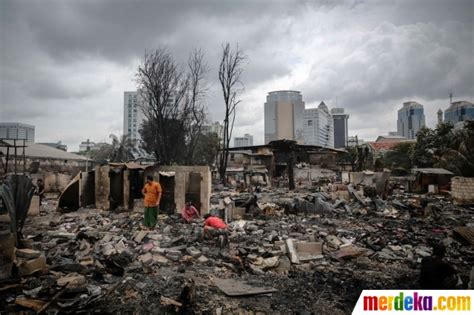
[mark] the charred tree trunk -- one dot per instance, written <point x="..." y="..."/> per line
<point x="290" y="165"/>
<point x="230" y="70"/>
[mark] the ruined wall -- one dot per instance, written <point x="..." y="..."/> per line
<point x="182" y="183"/>
<point x="87" y="188"/>
<point x="53" y="182"/>
<point x="375" y="179"/>
<point x="462" y="189"/>
<point x="313" y="173"/>
<point x="102" y="187"/>
<point x="325" y="159"/>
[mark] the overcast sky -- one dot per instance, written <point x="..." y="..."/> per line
<point x="65" y="64"/>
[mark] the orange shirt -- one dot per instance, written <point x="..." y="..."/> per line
<point x="215" y="222"/>
<point x="152" y="192"/>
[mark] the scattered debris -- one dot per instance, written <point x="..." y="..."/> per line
<point x="303" y="244"/>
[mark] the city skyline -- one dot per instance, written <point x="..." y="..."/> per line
<point x="365" y="56"/>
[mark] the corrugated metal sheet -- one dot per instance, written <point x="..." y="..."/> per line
<point x="466" y="232"/>
<point x="43" y="151"/>
<point x="434" y="171"/>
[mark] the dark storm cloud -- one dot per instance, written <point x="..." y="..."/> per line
<point x="118" y="30"/>
<point x="397" y="62"/>
<point x="60" y="58"/>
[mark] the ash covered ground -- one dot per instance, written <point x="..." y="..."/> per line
<point x="102" y="261"/>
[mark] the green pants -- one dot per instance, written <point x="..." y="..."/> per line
<point x="151" y="214"/>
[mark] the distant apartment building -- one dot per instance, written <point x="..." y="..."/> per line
<point x="459" y="112"/>
<point x="341" y="129"/>
<point x="245" y="141"/>
<point x="85" y="146"/>
<point x="410" y="119"/>
<point x="17" y="131"/>
<point x="284" y="116"/>
<point x="318" y="126"/>
<point x="133" y="116"/>
<point x="88" y="145"/>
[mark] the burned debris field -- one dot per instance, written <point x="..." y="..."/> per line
<point x="307" y="251"/>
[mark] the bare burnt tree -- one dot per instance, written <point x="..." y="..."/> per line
<point x="172" y="100"/>
<point x="230" y="70"/>
<point x="197" y="90"/>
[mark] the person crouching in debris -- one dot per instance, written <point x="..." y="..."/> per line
<point x="40" y="190"/>
<point x="189" y="212"/>
<point x="152" y="193"/>
<point x="215" y="227"/>
<point x="435" y="273"/>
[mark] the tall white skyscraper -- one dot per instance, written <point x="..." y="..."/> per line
<point x="410" y="119"/>
<point x="284" y="116"/>
<point x="318" y="126"/>
<point x="132" y="115"/>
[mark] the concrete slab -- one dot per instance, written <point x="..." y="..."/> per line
<point x="233" y="287"/>
<point x="34" y="209"/>
<point x="290" y="246"/>
<point x="27" y="267"/>
<point x="71" y="280"/>
<point x="349" y="251"/>
<point x="139" y="236"/>
<point x="308" y="251"/>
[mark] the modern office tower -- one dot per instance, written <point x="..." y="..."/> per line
<point x="459" y="112"/>
<point x="284" y="116"/>
<point x="341" y="131"/>
<point x="410" y="119"/>
<point x="318" y="126"/>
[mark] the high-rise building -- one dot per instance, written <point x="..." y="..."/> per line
<point x="410" y="119"/>
<point x="318" y="126"/>
<point x="284" y="116"/>
<point x="132" y="115"/>
<point x="459" y="112"/>
<point x="341" y="130"/>
<point x="17" y="131"/>
<point x="245" y="141"/>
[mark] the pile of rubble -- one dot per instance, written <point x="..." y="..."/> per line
<point x="305" y="251"/>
